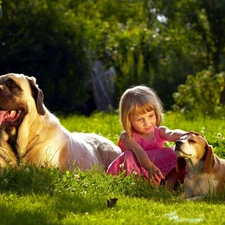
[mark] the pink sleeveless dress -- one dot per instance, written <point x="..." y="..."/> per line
<point x="164" y="158"/>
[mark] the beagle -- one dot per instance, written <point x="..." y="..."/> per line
<point x="205" y="170"/>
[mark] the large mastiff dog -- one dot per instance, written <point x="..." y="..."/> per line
<point x="30" y="134"/>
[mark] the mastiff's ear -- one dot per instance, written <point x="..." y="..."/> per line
<point x="38" y="95"/>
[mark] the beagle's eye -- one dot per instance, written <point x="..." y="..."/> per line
<point x="191" y="141"/>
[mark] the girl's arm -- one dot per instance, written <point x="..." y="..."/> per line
<point x="131" y="144"/>
<point x="171" y="135"/>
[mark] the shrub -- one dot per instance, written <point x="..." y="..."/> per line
<point x="201" y="93"/>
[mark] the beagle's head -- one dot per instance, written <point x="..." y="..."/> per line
<point x="194" y="146"/>
<point x="191" y="146"/>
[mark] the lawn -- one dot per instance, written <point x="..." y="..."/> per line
<point x="31" y="195"/>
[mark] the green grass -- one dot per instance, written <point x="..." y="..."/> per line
<point x="29" y="195"/>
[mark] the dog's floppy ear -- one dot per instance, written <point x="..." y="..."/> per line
<point x="210" y="159"/>
<point x="38" y="95"/>
<point x="181" y="163"/>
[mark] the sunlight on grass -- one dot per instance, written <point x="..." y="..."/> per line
<point x="81" y="198"/>
<point x="107" y="125"/>
<point x="45" y="196"/>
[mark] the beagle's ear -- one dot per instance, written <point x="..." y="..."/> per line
<point x="38" y="95"/>
<point x="181" y="163"/>
<point x="210" y="159"/>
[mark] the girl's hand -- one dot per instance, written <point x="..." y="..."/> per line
<point x="155" y="175"/>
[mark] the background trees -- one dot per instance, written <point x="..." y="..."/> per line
<point x="43" y="39"/>
<point x="158" y="43"/>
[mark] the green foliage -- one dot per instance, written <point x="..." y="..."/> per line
<point x="148" y="42"/>
<point x="45" y="40"/>
<point x="201" y="93"/>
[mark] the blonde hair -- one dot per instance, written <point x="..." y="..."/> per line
<point x="136" y="101"/>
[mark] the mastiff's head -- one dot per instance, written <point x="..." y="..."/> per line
<point x="18" y="94"/>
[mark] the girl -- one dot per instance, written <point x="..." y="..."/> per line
<point x="142" y="140"/>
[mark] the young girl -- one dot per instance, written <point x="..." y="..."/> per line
<point x="142" y="140"/>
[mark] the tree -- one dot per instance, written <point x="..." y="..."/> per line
<point x="43" y="39"/>
<point x="157" y="42"/>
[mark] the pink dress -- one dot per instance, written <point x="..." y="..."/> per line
<point x="164" y="158"/>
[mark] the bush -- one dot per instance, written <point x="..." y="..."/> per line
<point x="201" y="93"/>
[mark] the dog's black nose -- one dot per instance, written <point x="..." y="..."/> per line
<point x="178" y="143"/>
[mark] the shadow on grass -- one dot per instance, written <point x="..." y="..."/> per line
<point x="44" y="196"/>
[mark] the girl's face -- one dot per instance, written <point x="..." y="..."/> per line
<point x="144" y="123"/>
